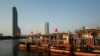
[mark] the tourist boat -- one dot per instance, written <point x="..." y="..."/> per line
<point x="52" y="50"/>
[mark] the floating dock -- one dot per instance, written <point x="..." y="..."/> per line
<point x="46" y="49"/>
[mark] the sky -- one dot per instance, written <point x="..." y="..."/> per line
<point x="66" y="15"/>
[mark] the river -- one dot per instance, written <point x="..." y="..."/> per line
<point x="10" y="48"/>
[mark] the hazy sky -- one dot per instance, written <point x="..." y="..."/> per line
<point x="66" y="15"/>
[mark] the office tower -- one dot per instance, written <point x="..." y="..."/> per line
<point x="16" y="29"/>
<point x="45" y="28"/>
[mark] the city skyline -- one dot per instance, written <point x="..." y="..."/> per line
<point x="66" y="15"/>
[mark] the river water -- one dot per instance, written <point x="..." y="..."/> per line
<point x="10" y="48"/>
<point x="6" y="48"/>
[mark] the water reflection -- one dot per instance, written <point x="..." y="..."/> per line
<point x="18" y="52"/>
<point x="10" y="48"/>
<point x="15" y="47"/>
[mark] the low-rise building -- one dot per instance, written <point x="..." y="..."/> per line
<point x="92" y="33"/>
<point x="55" y="39"/>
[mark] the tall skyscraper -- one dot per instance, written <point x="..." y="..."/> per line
<point x="45" y="28"/>
<point x="16" y="29"/>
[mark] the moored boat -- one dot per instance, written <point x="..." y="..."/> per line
<point x="53" y="50"/>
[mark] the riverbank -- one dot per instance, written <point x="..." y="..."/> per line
<point x="10" y="37"/>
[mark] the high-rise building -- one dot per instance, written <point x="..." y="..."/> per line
<point x="45" y="28"/>
<point x="16" y="29"/>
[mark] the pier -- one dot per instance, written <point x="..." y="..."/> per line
<point x="52" y="52"/>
